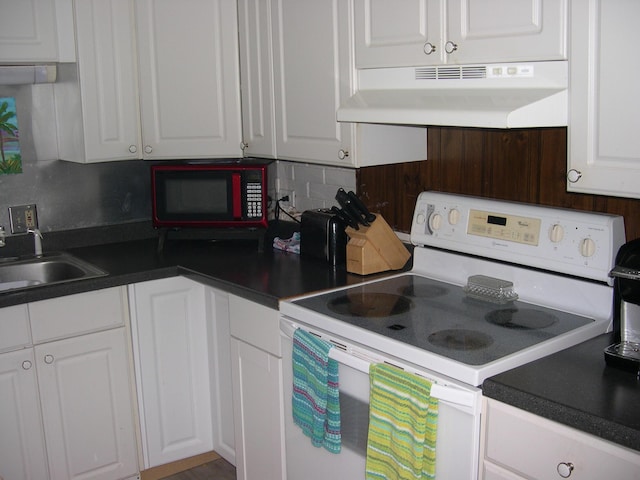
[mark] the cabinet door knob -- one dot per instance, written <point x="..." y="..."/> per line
<point x="450" y="47"/>
<point x="48" y="359"/>
<point x="342" y="154"/>
<point x="244" y="146"/>
<point x="148" y="149"/>
<point x="429" y="48"/>
<point x="574" y="175"/>
<point x="565" y="469"/>
<point x="26" y="365"/>
<point x="133" y="149"/>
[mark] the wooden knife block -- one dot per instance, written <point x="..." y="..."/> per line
<point x="375" y="249"/>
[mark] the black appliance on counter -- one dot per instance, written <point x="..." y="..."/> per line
<point x="322" y="236"/>
<point x="625" y="353"/>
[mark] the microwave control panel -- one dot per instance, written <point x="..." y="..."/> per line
<point x="253" y="199"/>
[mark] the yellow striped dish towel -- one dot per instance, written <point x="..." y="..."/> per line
<point x="403" y="424"/>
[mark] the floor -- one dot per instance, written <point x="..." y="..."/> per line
<point x="217" y="470"/>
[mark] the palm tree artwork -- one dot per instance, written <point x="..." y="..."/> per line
<point x="10" y="158"/>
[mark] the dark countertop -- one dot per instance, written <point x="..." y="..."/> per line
<point x="577" y="388"/>
<point x="235" y="266"/>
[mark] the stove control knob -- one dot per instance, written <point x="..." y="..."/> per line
<point x="556" y="234"/>
<point x="454" y="216"/>
<point x="420" y="218"/>
<point x="435" y="222"/>
<point x="587" y="247"/>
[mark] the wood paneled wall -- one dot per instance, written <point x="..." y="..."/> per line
<point x="525" y="165"/>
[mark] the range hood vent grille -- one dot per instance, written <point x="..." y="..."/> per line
<point x="451" y="72"/>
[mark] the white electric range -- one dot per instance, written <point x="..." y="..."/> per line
<point x="494" y="285"/>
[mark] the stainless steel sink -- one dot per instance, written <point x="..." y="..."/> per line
<point x="47" y="269"/>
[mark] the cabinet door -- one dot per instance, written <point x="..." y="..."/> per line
<point x="256" y="72"/>
<point x="604" y="145"/>
<point x="189" y="78"/>
<point x="550" y="447"/>
<point x="22" y="451"/>
<point x="28" y="31"/>
<point x="172" y="369"/>
<point x="222" y="397"/>
<point x="524" y="30"/>
<point x="312" y="71"/>
<point x="87" y="406"/>
<point x="398" y="33"/>
<point x="257" y="391"/>
<point x="107" y="115"/>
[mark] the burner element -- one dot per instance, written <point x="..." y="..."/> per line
<point x="370" y="305"/>
<point x="525" y="319"/>
<point x="460" y="339"/>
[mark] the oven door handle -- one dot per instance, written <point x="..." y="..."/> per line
<point x="362" y="362"/>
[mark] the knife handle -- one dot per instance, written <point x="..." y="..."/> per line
<point x="344" y="218"/>
<point x="349" y="207"/>
<point x="368" y="216"/>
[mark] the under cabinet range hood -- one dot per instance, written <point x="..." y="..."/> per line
<point x="513" y="95"/>
<point x="27" y="74"/>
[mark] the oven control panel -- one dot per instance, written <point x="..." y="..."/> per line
<point x="562" y="240"/>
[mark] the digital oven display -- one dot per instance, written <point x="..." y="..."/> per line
<point x="512" y="228"/>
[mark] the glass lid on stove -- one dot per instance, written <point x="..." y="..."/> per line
<point x="440" y="318"/>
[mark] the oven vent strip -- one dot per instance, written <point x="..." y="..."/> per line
<point x="359" y="360"/>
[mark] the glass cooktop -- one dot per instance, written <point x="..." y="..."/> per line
<point x="441" y="318"/>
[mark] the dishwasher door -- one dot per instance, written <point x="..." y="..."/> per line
<point x="457" y="447"/>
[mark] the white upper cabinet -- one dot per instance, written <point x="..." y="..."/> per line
<point x="35" y="31"/>
<point x="604" y="101"/>
<point x="311" y="70"/>
<point x="256" y="71"/>
<point x="154" y="80"/>
<point x="433" y="32"/>
<point x="398" y="33"/>
<point x="97" y="99"/>
<point x="313" y="73"/>
<point x="189" y="78"/>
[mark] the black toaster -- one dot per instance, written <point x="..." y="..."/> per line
<point x="322" y="236"/>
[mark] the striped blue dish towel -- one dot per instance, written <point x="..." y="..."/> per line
<point x="316" y="402"/>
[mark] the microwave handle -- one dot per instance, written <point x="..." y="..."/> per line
<point x="236" y="192"/>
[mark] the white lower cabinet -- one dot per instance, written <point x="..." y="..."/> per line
<point x="519" y="445"/>
<point x="181" y="350"/>
<point x="217" y="305"/>
<point x="22" y="451"/>
<point x="79" y="378"/>
<point x="172" y="369"/>
<point x="257" y="391"/>
<point x="86" y="406"/>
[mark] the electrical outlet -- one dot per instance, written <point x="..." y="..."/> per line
<point x="23" y="217"/>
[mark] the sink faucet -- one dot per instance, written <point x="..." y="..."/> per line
<point x="37" y="240"/>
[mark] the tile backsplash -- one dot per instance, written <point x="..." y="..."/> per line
<point x="311" y="186"/>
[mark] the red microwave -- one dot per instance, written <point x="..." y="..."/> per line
<point x="210" y="195"/>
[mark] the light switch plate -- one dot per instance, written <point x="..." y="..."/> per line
<point x="23" y="217"/>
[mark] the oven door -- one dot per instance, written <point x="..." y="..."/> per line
<point x="457" y="446"/>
